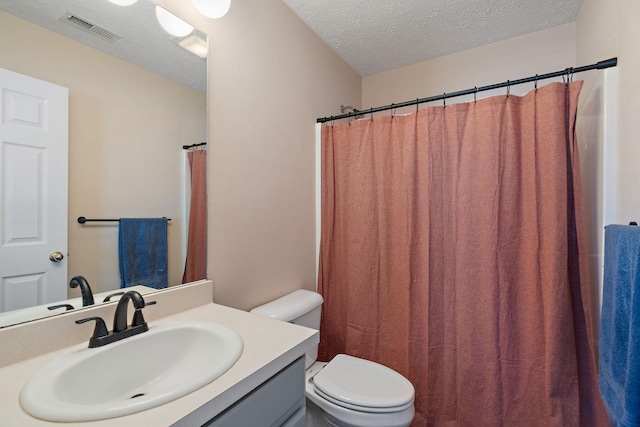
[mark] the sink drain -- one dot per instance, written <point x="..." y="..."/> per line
<point x="136" y="395"/>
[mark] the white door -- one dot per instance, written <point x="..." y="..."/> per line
<point x="34" y="133"/>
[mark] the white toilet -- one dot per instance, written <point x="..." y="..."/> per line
<point x="347" y="391"/>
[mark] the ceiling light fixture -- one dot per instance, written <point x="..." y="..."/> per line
<point x="172" y="24"/>
<point x="212" y="8"/>
<point x="195" y="45"/>
<point x="123" y="2"/>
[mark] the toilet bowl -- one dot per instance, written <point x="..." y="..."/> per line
<point x="346" y="391"/>
<point x="353" y="392"/>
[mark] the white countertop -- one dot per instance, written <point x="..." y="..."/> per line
<point x="269" y="346"/>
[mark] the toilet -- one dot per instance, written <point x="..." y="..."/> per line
<point x="346" y="391"/>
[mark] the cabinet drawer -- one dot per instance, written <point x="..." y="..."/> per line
<point x="274" y="403"/>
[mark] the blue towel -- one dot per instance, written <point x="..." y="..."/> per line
<point x="142" y="244"/>
<point x="619" y="376"/>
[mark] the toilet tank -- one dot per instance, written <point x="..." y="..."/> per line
<point x="301" y="307"/>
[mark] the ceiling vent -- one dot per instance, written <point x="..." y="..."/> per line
<point x="89" y="27"/>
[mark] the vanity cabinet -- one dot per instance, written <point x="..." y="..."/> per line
<point x="278" y="402"/>
<point x="265" y="387"/>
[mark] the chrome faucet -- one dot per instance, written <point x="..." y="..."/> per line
<point x="121" y="329"/>
<point x="85" y="289"/>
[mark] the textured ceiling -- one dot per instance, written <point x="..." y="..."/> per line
<point x="143" y="43"/>
<point x="379" y="35"/>
<point x="371" y="35"/>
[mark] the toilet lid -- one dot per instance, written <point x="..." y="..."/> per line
<point x="362" y="384"/>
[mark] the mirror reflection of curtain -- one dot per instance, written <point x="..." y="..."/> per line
<point x="196" y="262"/>
<point x="452" y="251"/>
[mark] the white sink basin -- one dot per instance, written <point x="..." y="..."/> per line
<point x="131" y="375"/>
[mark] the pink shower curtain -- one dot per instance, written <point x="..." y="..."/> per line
<point x="452" y="251"/>
<point x="196" y="263"/>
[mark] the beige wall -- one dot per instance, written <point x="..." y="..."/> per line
<point x="270" y="77"/>
<point x="122" y="163"/>
<point x="523" y="56"/>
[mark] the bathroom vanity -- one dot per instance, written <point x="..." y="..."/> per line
<point x="265" y="386"/>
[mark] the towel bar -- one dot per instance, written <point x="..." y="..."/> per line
<point x="82" y="220"/>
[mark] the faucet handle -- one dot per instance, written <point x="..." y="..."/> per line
<point x="138" y="318"/>
<point x="108" y="297"/>
<point x="99" y="331"/>
<point x="67" y="307"/>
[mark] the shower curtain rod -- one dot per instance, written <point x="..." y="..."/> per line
<point x="567" y="71"/>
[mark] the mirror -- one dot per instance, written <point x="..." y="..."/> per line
<point x="136" y="96"/>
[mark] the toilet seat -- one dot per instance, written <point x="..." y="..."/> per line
<point x="367" y="409"/>
<point x="363" y="385"/>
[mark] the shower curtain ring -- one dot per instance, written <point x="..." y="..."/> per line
<point x="371" y="113"/>
<point x="417" y="103"/>
<point x="508" y="87"/>
<point x="536" y="83"/>
<point x="475" y="95"/>
<point x="393" y="110"/>
<point x="565" y="76"/>
<point x="444" y="100"/>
